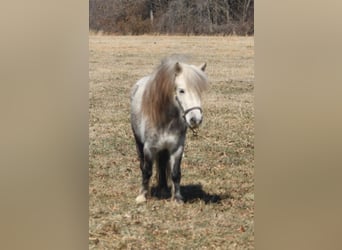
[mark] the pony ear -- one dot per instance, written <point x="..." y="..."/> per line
<point x="178" y="68"/>
<point x="203" y="66"/>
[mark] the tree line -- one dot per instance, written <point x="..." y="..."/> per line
<point x="192" y="17"/>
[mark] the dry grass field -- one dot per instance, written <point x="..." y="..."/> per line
<point x="218" y="166"/>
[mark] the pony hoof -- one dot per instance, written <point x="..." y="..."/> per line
<point x="141" y="198"/>
<point x="178" y="200"/>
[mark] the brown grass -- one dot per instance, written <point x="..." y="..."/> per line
<point x="218" y="167"/>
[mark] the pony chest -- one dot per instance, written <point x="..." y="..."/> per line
<point x="166" y="141"/>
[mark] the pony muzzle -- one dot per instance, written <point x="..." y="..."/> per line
<point x="193" y="117"/>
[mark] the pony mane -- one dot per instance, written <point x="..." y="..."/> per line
<point x="195" y="79"/>
<point x="157" y="101"/>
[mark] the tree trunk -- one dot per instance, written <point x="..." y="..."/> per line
<point x="209" y="18"/>
<point x="227" y="11"/>
<point x="245" y="10"/>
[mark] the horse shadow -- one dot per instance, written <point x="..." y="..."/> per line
<point x="191" y="193"/>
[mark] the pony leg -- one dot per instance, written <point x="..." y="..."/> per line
<point x="140" y="151"/>
<point x="162" y="169"/>
<point x="146" y="170"/>
<point x="175" y="162"/>
<point x="140" y="148"/>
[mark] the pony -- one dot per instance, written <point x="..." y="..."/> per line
<point x="163" y="106"/>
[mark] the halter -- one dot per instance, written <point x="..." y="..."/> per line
<point x="185" y="112"/>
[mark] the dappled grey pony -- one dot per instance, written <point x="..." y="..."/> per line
<point x="163" y="105"/>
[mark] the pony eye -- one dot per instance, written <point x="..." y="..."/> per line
<point x="181" y="91"/>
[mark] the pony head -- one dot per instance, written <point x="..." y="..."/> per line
<point x="190" y="81"/>
<point x="174" y="84"/>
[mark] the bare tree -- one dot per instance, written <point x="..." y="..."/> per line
<point x="172" y="16"/>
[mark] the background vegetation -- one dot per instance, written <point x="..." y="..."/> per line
<point x="172" y="16"/>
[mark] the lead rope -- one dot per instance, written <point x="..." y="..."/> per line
<point x="195" y="131"/>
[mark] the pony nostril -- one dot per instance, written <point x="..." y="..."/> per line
<point x="194" y="121"/>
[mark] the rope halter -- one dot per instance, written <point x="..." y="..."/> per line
<point x="185" y="112"/>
